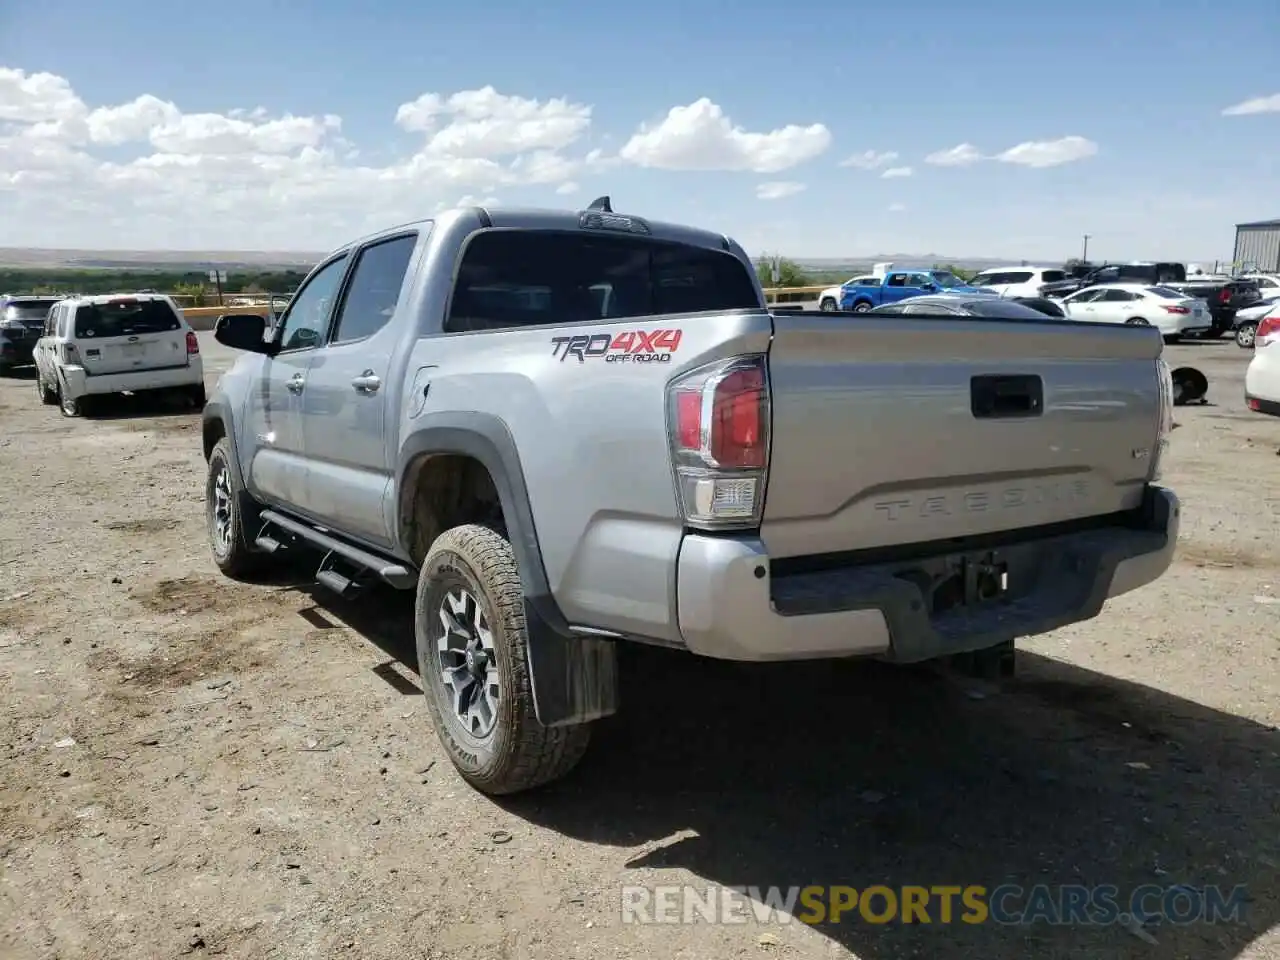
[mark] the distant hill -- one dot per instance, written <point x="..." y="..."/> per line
<point x="256" y="261"/>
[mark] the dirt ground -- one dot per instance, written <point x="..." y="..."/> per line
<point x="189" y="766"/>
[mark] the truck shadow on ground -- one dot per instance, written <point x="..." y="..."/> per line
<point x="860" y="774"/>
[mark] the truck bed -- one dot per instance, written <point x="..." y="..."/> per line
<point x="905" y="430"/>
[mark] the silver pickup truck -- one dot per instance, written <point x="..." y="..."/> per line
<point x="566" y="430"/>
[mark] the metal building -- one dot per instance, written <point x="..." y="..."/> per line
<point x="1259" y="243"/>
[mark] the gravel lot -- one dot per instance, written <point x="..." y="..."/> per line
<point x="191" y="766"/>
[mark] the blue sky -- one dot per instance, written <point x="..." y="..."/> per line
<point x="1145" y="83"/>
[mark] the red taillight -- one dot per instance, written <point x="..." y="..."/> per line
<point x="193" y="342"/>
<point x="737" y="434"/>
<point x="1169" y="309"/>
<point x="719" y="428"/>
<point x="1224" y="295"/>
<point x="1266" y="327"/>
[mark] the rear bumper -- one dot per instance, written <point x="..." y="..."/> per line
<point x="732" y="607"/>
<point x="79" y="383"/>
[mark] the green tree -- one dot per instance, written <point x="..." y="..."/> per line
<point x="790" y="273"/>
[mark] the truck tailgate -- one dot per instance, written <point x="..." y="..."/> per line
<point x="902" y="430"/>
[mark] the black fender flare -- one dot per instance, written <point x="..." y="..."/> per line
<point x="573" y="677"/>
<point x="216" y="410"/>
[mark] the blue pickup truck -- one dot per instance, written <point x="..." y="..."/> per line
<point x="867" y="292"/>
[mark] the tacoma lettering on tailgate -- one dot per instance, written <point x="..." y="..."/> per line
<point x="630" y="346"/>
<point x="981" y="501"/>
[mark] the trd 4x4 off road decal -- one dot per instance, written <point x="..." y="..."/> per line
<point x="630" y="346"/>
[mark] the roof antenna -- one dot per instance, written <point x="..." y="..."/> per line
<point x="602" y="204"/>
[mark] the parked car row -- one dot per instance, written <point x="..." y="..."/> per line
<point x="86" y="348"/>
<point x="1158" y="294"/>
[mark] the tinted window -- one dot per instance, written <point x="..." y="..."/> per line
<point x="1052" y="276"/>
<point x="124" y="318"/>
<point x="1107" y="274"/>
<point x="513" y="278"/>
<point x="1116" y="296"/>
<point x="25" y="310"/>
<point x="374" y="290"/>
<point x="920" y="306"/>
<point x="308" y="317"/>
<point x="1002" y="310"/>
<point x="1166" y="292"/>
<point x="896" y="280"/>
<point x="867" y="281"/>
<point x="1016" y="276"/>
<point x="1085" y="296"/>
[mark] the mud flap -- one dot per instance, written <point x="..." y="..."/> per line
<point x="574" y="679"/>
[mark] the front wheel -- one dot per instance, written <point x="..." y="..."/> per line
<point x="230" y="514"/>
<point x="1136" y="322"/>
<point x="1245" y="334"/>
<point x="473" y="659"/>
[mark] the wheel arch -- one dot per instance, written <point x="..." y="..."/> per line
<point x="573" y="677"/>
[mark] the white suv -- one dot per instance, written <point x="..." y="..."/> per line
<point x="93" y="346"/>
<point x="1017" y="281"/>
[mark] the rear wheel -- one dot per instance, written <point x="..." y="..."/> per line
<point x="47" y="397"/>
<point x="862" y="307"/>
<point x="473" y="658"/>
<point x="827" y="305"/>
<point x="1245" y="334"/>
<point x="70" y="406"/>
<point x="230" y="515"/>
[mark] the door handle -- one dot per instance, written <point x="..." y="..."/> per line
<point x="295" y="383"/>
<point x="367" y="383"/>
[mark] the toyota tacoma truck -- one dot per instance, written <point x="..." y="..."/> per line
<point x="566" y="431"/>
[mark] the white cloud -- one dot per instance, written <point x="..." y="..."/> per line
<point x="701" y="137"/>
<point x="895" y="172"/>
<point x="1245" y="108"/>
<point x="963" y="155"/>
<point x="897" y="207"/>
<point x="1049" y="153"/>
<point x="567" y="188"/>
<point x="144" y="171"/>
<point x="1032" y="153"/>
<point x="37" y="97"/>
<point x="778" y="189"/>
<point x="870" y="160"/>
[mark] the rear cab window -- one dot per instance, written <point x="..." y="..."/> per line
<point x="522" y="278"/>
<point x="124" y="318"/>
<point x="1052" y="276"/>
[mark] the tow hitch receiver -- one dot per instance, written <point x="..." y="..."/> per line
<point x="971" y="580"/>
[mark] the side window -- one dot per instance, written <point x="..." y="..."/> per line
<point x="374" y="290"/>
<point x="1087" y="296"/>
<point x="919" y="279"/>
<point x="896" y="280"/>
<point x="51" y="321"/>
<point x="1117" y="296"/>
<point x="64" y="323"/>
<point x="308" y="317"/>
<point x="1107" y="274"/>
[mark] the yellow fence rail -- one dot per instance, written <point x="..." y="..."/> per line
<point x="792" y="294"/>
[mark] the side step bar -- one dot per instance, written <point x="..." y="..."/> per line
<point x="395" y="574"/>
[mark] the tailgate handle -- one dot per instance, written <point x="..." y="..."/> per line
<point x="998" y="397"/>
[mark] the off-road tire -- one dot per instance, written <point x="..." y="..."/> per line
<point x="520" y="753"/>
<point x="241" y="560"/>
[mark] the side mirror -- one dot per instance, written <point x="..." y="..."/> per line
<point x="242" y="331"/>
<point x="929" y="286"/>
